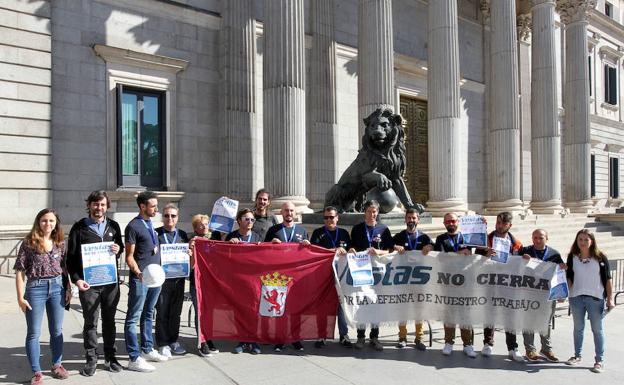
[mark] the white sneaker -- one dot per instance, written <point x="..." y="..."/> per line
<point x="486" y="351"/>
<point x="514" y="355"/>
<point x="140" y="365"/>
<point x="469" y="351"/>
<point x="447" y="349"/>
<point x="165" y="351"/>
<point x="154" y="356"/>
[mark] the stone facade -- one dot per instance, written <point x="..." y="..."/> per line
<point x="492" y="125"/>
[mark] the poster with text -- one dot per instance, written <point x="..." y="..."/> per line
<point x="175" y="260"/>
<point x="223" y="215"/>
<point x="473" y="229"/>
<point x="99" y="263"/>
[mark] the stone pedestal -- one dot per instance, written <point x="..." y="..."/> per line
<point x="444" y="110"/>
<point x="284" y="103"/>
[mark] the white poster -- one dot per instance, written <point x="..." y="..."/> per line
<point x="223" y="215"/>
<point x="175" y="260"/>
<point x="99" y="263"/>
<point x="558" y="285"/>
<point x="360" y="268"/>
<point x="502" y="246"/>
<point x="473" y="229"/>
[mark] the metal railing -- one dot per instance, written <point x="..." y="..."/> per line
<point x="617" y="278"/>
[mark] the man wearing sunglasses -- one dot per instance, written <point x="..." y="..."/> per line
<point x="330" y="236"/>
<point x="171" y="299"/>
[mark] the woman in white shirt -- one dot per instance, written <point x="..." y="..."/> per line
<point x="589" y="279"/>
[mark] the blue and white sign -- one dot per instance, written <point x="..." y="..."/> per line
<point x="175" y="260"/>
<point x="361" y="268"/>
<point x="474" y="230"/>
<point x="501" y="246"/>
<point x="223" y="215"/>
<point x="99" y="263"/>
<point x="558" y="285"/>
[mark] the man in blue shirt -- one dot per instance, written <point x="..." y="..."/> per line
<point x="142" y="249"/>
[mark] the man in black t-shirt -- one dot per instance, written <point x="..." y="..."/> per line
<point x="377" y="240"/>
<point x="332" y="237"/>
<point x="412" y="239"/>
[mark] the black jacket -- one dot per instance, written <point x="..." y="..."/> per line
<point x="80" y="234"/>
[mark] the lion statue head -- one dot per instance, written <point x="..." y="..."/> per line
<point x="385" y="136"/>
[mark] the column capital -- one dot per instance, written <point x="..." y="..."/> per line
<point x="574" y="10"/>
<point x="523" y="26"/>
<point x="484" y="6"/>
<point x="535" y="3"/>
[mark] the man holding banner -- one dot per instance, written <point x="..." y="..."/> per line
<point x="500" y="244"/>
<point x="376" y="239"/>
<point x="101" y="286"/>
<point x="406" y="240"/>
<point x="453" y="242"/>
<point x="176" y="263"/>
<point x="541" y="252"/>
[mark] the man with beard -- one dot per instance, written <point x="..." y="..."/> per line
<point x="412" y="239"/>
<point x="93" y="229"/>
<point x="501" y="230"/>
<point x="331" y="237"/>
<point x="171" y="299"/>
<point x="264" y="219"/>
<point x="377" y="240"/>
<point x="453" y="242"/>
<point x="287" y="232"/>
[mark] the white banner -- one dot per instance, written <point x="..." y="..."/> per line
<point x="99" y="263"/>
<point x="463" y="290"/>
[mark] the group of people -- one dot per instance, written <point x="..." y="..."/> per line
<point x="47" y="263"/>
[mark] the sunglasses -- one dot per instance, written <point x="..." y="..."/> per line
<point x="247" y="219"/>
<point x="170" y="215"/>
<point x="329" y="217"/>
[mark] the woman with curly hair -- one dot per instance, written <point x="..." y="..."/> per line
<point x="589" y="279"/>
<point x="43" y="286"/>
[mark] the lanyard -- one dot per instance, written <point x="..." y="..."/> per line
<point x="286" y="238"/>
<point x="333" y="241"/>
<point x="452" y="242"/>
<point x="409" y="241"/>
<point x="545" y="253"/>
<point x="370" y="235"/>
<point x="175" y="236"/>
<point x="248" y="237"/>
<point x="151" y="229"/>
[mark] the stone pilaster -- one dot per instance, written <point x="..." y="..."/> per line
<point x="444" y="110"/>
<point x="284" y="102"/>
<point x="545" y="135"/>
<point x="322" y="136"/>
<point x="504" y="135"/>
<point x="576" y="139"/>
<point x="375" y="57"/>
<point x="239" y="113"/>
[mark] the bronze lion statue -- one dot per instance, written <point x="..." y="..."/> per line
<point x="380" y="165"/>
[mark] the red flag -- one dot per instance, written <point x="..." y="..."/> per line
<point x="267" y="293"/>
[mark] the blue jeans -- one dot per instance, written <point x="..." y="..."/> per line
<point x="594" y="308"/>
<point x="343" y="329"/>
<point x="141" y="302"/>
<point x="44" y="295"/>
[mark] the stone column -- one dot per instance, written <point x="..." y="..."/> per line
<point x="545" y="136"/>
<point x="284" y="102"/>
<point x="375" y="57"/>
<point x="323" y="129"/>
<point x="445" y="193"/>
<point x="504" y="136"/>
<point x="239" y="116"/>
<point x="576" y="139"/>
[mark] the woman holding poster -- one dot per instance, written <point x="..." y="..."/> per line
<point x="42" y="286"/>
<point x="591" y="293"/>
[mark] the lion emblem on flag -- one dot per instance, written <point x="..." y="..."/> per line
<point x="273" y="294"/>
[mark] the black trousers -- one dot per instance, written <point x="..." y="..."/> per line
<point x="168" y="310"/>
<point x="105" y="297"/>
<point x="510" y="339"/>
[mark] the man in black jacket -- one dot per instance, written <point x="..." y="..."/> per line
<point x="94" y="229"/>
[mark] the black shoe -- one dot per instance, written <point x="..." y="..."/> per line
<point x="278" y="348"/>
<point x="298" y="346"/>
<point x="211" y="347"/>
<point x="319" y="344"/>
<point x="346" y="342"/>
<point x="204" y="350"/>
<point x="89" y="368"/>
<point x="113" y="365"/>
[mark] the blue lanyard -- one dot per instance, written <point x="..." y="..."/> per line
<point x="175" y="236"/>
<point x="333" y="241"/>
<point x="286" y="238"/>
<point x="545" y="253"/>
<point x="151" y="229"/>
<point x="409" y="241"/>
<point x="248" y="237"/>
<point x="370" y="235"/>
<point x="455" y="245"/>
